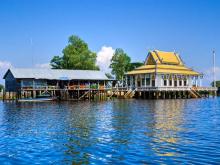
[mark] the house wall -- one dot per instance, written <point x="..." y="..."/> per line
<point x="11" y="84"/>
<point x="139" y="81"/>
<point x="33" y="83"/>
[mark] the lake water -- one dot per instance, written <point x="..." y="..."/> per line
<point x="112" y="132"/>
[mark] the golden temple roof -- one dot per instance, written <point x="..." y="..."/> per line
<point x="163" y="62"/>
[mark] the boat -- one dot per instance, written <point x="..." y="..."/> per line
<point x="39" y="98"/>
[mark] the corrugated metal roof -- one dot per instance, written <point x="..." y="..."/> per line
<point x="58" y="74"/>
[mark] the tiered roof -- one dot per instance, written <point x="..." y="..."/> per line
<point x="164" y="63"/>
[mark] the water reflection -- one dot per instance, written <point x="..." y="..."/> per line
<point x="168" y="118"/>
<point x="80" y="133"/>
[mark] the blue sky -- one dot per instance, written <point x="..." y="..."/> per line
<point x="189" y="27"/>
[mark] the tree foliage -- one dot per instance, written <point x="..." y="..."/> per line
<point x="76" y="55"/>
<point x="217" y="84"/>
<point x="1" y="87"/>
<point x="120" y="63"/>
<point x="109" y="76"/>
<point x="135" y="65"/>
<point x="57" y="62"/>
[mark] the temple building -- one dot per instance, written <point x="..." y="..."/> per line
<point x="163" y="70"/>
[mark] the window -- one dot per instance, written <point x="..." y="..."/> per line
<point x="180" y="82"/>
<point x="128" y="80"/>
<point x="170" y="83"/>
<point x="185" y="84"/>
<point x="40" y="83"/>
<point x="153" y="83"/>
<point x="133" y="80"/>
<point x="138" y="83"/>
<point x="27" y="83"/>
<point x="147" y="81"/>
<point x="164" y="82"/>
<point x="143" y="82"/>
<point x="175" y="83"/>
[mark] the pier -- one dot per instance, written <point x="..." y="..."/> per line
<point x="104" y="93"/>
<point x="165" y="92"/>
<point x="66" y="94"/>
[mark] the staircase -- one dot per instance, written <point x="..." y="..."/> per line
<point x="130" y="93"/>
<point x="194" y="93"/>
<point x="84" y="95"/>
<point x="113" y="93"/>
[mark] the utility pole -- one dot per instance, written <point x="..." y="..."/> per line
<point x="214" y="79"/>
<point x="32" y="55"/>
<point x="156" y="72"/>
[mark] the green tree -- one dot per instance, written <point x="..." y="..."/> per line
<point x="1" y="87"/>
<point x="134" y="65"/>
<point x="120" y="63"/>
<point x="109" y="76"/>
<point x="76" y="55"/>
<point x="57" y="62"/>
<point x="217" y="84"/>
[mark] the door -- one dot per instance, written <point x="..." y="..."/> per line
<point x="153" y="83"/>
<point x="139" y="84"/>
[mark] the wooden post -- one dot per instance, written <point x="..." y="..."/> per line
<point x="34" y="94"/>
<point x="78" y="94"/>
<point x="3" y="96"/>
<point x="89" y="95"/>
<point x="150" y="93"/>
<point x="164" y="95"/>
<point x="157" y="95"/>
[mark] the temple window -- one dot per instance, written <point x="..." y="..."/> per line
<point x="143" y="82"/>
<point x="175" y="83"/>
<point x="165" y="82"/>
<point x="153" y="83"/>
<point x="170" y="83"/>
<point x="180" y="82"/>
<point x="185" y="84"/>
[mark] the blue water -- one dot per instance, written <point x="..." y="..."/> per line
<point x="113" y="132"/>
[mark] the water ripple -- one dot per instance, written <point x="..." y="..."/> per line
<point x="113" y="132"/>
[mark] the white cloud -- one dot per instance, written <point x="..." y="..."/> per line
<point x="208" y="75"/>
<point x="104" y="57"/>
<point x="43" y="66"/>
<point x="4" y="66"/>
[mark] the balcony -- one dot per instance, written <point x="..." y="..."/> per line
<point x="48" y="87"/>
<point x="87" y="87"/>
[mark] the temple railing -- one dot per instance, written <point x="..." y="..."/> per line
<point x="87" y="87"/>
<point x="205" y="88"/>
<point x="121" y="88"/>
<point x="163" y="88"/>
<point x="183" y="88"/>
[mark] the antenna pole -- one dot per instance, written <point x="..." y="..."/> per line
<point x="214" y="80"/>
<point x="32" y="56"/>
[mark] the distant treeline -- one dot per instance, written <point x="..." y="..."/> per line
<point x="217" y="84"/>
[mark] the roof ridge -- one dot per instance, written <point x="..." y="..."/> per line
<point x="56" y="69"/>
